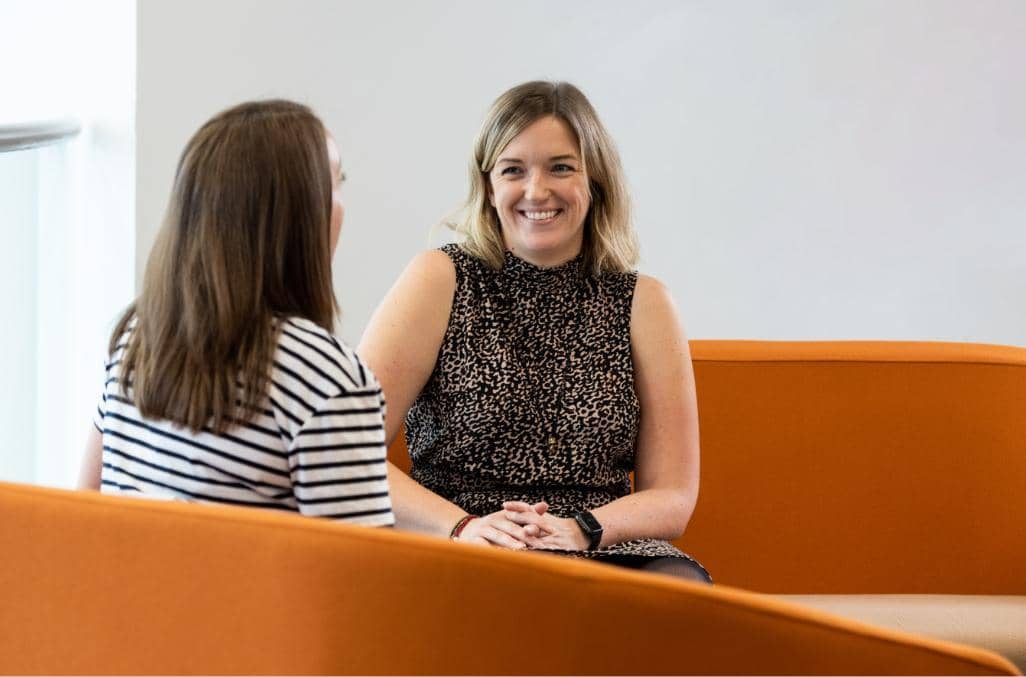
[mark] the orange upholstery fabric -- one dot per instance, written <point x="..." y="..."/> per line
<point x="99" y="584"/>
<point x="862" y="467"/>
<point x="859" y="467"/>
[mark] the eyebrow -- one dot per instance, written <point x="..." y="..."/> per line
<point x="518" y="161"/>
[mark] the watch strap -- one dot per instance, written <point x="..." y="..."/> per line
<point x="591" y="528"/>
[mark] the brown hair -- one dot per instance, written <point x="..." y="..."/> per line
<point x="610" y="244"/>
<point x="245" y="240"/>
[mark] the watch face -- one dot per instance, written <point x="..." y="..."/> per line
<point x="588" y="521"/>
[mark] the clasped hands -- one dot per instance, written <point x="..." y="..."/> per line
<point x="521" y="526"/>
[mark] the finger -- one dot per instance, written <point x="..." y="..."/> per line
<point x="516" y="530"/>
<point x="542" y="544"/>
<point x="501" y="538"/>
<point x="527" y="518"/>
<point x="521" y="506"/>
<point x="503" y="521"/>
<point x="528" y="529"/>
<point x="549" y="543"/>
<point x="518" y="506"/>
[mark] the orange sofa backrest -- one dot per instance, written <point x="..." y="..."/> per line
<point x="111" y="585"/>
<point x="859" y="467"/>
<point x="862" y="467"/>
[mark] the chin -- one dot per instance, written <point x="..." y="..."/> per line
<point x="551" y="241"/>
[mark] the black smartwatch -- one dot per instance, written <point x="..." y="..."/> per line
<point x="591" y="528"/>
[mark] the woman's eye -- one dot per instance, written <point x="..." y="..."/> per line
<point x="510" y="171"/>
<point x="562" y="169"/>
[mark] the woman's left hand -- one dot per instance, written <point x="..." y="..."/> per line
<point x="558" y="533"/>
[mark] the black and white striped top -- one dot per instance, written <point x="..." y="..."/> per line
<point x="316" y="447"/>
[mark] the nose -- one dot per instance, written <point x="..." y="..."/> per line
<point x="537" y="188"/>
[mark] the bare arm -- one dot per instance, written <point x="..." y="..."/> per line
<point x="403" y="338"/>
<point x="666" y="462"/>
<point x="92" y="461"/>
<point x="401" y="345"/>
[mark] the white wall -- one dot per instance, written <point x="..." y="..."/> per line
<point x="800" y="169"/>
<point x="71" y="241"/>
<point x="18" y="352"/>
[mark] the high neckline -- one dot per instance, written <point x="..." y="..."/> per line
<point x="521" y="268"/>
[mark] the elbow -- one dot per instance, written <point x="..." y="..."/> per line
<point x="681" y="506"/>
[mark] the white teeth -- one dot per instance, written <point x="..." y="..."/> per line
<point x="541" y="216"/>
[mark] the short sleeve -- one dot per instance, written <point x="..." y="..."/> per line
<point x="337" y="460"/>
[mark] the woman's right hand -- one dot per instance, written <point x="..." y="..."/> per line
<point x="498" y="529"/>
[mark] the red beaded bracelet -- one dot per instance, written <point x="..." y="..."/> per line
<point x="458" y="529"/>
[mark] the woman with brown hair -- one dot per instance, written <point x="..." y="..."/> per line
<point x="225" y="382"/>
<point x="544" y="369"/>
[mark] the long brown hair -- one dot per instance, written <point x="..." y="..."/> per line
<point x="610" y="244"/>
<point x="245" y="240"/>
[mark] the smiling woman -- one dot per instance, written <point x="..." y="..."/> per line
<point x="578" y="163"/>
<point x="545" y="368"/>
<point x="541" y="199"/>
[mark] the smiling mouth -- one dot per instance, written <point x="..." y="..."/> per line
<point x="540" y="215"/>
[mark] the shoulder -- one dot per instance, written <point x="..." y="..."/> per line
<point x="650" y="291"/>
<point x="653" y="308"/>
<point x="120" y="339"/>
<point x="436" y="266"/>
<point x="121" y="336"/>
<point x="465" y="264"/>
<point x="429" y="280"/>
<point x="310" y="352"/>
<point x="402" y="339"/>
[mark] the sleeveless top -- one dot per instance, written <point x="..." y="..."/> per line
<point x="532" y="396"/>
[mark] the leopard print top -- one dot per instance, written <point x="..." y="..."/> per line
<point x="532" y="397"/>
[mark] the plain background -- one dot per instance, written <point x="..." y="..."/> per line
<point x="800" y="169"/>
<point x="67" y="224"/>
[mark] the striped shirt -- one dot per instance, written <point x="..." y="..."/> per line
<point x="316" y="446"/>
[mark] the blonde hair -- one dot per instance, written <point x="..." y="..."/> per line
<point x="610" y="244"/>
<point x="245" y="240"/>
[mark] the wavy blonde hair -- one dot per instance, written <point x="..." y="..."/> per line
<point x="245" y="240"/>
<point x="610" y="244"/>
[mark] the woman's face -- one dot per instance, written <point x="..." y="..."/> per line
<point x="338" y="210"/>
<point x="539" y="189"/>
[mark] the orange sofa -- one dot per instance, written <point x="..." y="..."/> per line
<point x="98" y="584"/>
<point x="862" y="467"/>
<point x="885" y="481"/>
